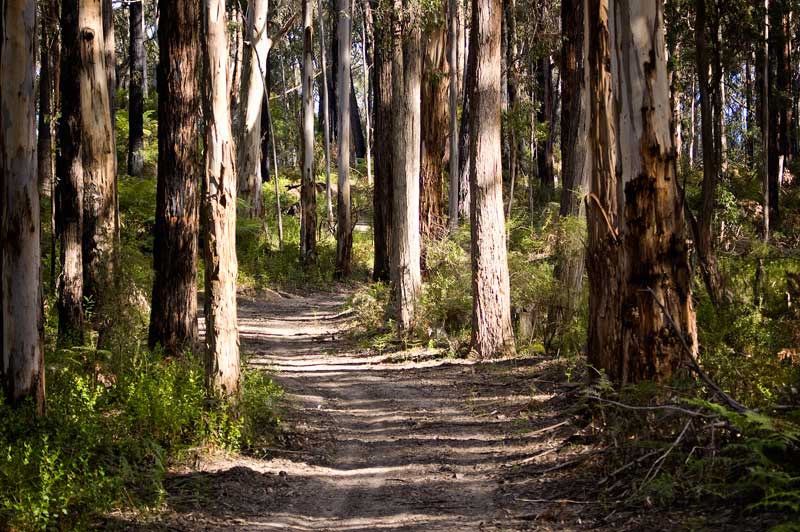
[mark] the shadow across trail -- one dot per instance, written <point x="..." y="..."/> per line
<point x="424" y="444"/>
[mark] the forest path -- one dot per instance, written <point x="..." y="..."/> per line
<point x="394" y="442"/>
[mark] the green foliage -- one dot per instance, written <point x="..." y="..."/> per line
<point x="107" y="438"/>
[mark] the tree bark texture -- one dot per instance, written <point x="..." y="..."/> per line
<point x="435" y="86"/>
<point x="384" y="172"/>
<point x="219" y="208"/>
<point x="308" y="193"/>
<point x="453" y="42"/>
<point x="137" y="62"/>
<point x="574" y="150"/>
<point x="257" y="47"/>
<point x="492" y="333"/>
<point x="69" y="183"/>
<point x="99" y="159"/>
<point x="325" y="114"/>
<point x="406" y="130"/>
<point x="637" y="256"/>
<point x="173" y="318"/>
<point x="344" y="228"/>
<point x="22" y="362"/>
<point x="465" y="134"/>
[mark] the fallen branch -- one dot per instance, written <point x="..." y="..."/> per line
<point x="654" y="408"/>
<point x="730" y="401"/>
<point x="656" y="467"/>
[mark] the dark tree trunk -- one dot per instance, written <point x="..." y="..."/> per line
<point x="69" y="183"/>
<point x="703" y="238"/>
<point x="574" y="156"/>
<point x="544" y="152"/>
<point x="136" y="93"/>
<point x="266" y="165"/>
<point x="334" y="72"/>
<point x="173" y="319"/>
<point x="359" y="142"/>
<point x="465" y="136"/>
<point x="435" y="87"/>
<point x="382" y="97"/>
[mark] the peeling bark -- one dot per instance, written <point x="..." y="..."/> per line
<point x="637" y="256"/>
<point x="219" y="209"/>
<point x="22" y="363"/>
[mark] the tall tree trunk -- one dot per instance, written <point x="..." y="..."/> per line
<point x="703" y="236"/>
<point x="22" y="363"/>
<point x="545" y="160"/>
<point x="308" y="193"/>
<point x="254" y="66"/>
<point x="453" y="41"/>
<point x="333" y="90"/>
<point x="235" y="86"/>
<point x="99" y="162"/>
<point x="173" y="318"/>
<point x="44" y="148"/>
<point x="492" y="333"/>
<point x="110" y="51"/>
<point x="138" y="64"/>
<point x="359" y="142"/>
<point x="344" y="228"/>
<point x="435" y="85"/>
<point x="266" y="137"/>
<point x="69" y="183"/>
<point x="574" y="151"/>
<point x="637" y="256"/>
<point x="406" y="130"/>
<point x="365" y="71"/>
<point x="219" y="208"/>
<point x="384" y="169"/>
<point x="465" y="134"/>
<point x="765" y="125"/>
<point x="326" y="115"/>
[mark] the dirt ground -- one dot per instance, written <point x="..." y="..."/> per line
<point x="404" y="441"/>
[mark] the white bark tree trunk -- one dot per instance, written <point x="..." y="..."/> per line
<point x="308" y="193"/>
<point x="406" y="129"/>
<point x="99" y="158"/>
<point x="344" y="229"/>
<point x="22" y="362"/>
<point x="492" y="332"/>
<point x="219" y="208"/>
<point x="256" y="49"/>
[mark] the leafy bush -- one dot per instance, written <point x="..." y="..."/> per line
<point x="106" y="439"/>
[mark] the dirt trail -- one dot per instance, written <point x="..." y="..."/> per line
<point x="397" y="442"/>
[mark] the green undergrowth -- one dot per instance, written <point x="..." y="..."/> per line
<point x="445" y="313"/>
<point x="107" y="438"/>
<point x="267" y="262"/>
<point x="668" y="448"/>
